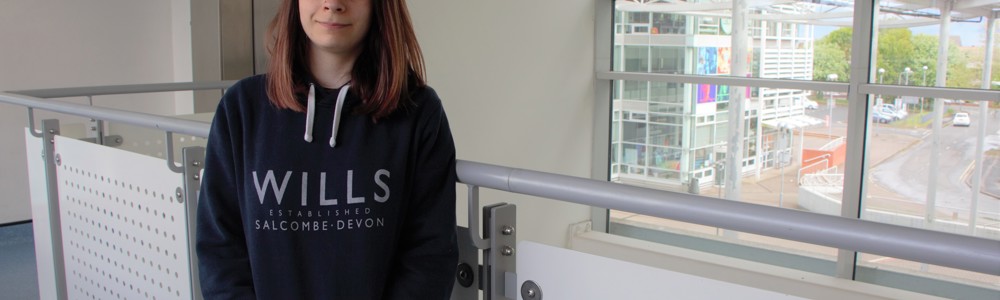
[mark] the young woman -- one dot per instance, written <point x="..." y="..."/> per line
<point x="333" y="175"/>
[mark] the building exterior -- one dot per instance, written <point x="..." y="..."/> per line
<point x="668" y="135"/>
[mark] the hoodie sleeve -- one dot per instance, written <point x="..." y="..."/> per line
<point x="223" y="261"/>
<point x="428" y="248"/>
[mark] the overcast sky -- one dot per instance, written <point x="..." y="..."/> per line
<point x="973" y="34"/>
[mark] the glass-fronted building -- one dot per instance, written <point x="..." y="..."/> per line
<point x="670" y="135"/>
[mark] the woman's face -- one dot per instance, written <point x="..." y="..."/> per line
<point x="336" y="26"/>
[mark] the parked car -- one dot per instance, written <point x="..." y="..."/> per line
<point x="810" y="104"/>
<point x="889" y="110"/>
<point x="881" y="117"/>
<point x="961" y="119"/>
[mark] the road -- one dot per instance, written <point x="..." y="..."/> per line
<point x="908" y="173"/>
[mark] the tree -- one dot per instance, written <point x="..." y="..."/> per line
<point x="895" y="52"/>
<point x="827" y="59"/>
<point x="899" y="49"/>
<point x="832" y="55"/>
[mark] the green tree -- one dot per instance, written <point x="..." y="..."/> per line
<point x="924" y="54"/>
<point x="895" y="53"/>
<point x="832" y="55"/>
<point x="829" y="60"/>
<point x="898" y="49"/>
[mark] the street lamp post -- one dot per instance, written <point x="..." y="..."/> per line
<point x="922" y="98"/>
<point x="903" y="78"/>
<point x="830" y="104"/>
<point x="881" y="75"/>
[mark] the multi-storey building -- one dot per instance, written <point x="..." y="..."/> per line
<point x="669" y="135"/>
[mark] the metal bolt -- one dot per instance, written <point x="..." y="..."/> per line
<point x="196" y="177"/>
<point x="507" y="230"/>
<point x="531" y="290"/>
<point x="196" y="163"/>
<point x="58" y="160"/>
<point x="180" y="195"/>
<point x="118" y="140"/>
<point x="507" y="251"/>
<point x="465" y="275"/>
<point x="52" y="131"/>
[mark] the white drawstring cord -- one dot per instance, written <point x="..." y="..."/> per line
<point x="337" y="113"/>
<point x="310" y="112"/>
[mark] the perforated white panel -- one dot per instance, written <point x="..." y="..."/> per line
<point x="124" y="233"/>
<point x="568" y="274"/>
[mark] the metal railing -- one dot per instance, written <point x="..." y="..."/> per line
<point x="950" y="250"/>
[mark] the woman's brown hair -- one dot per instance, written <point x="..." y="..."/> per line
<point x="389" y="68"/>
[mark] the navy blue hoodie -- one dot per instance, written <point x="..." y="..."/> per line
<point x="283" y="218"/>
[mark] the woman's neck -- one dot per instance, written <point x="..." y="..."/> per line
<point x="331" y="70"/>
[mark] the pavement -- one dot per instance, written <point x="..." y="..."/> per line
<point x="772" y="189"/>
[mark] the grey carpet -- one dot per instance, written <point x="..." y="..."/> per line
<point x="18" y="276"/>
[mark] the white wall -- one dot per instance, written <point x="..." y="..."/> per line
<point x="49" y="44"/>
<point x="516" y="78"/>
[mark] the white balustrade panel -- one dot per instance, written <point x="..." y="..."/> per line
<point x="567" y="274"/>
<point x="123" y="226"/>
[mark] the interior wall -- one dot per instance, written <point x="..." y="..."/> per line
<point x="516" y="78"/>
<point x="518" y="93"/>
<point x="50" y="44"/>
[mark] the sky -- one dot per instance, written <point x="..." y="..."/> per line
<point x="972" y="34"/>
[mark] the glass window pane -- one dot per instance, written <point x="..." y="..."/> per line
<point x="926" y="178"/>
<point x="794" y="141"/>
<point x="911" y="51"/>
<point x="696" y="37"/>
<point x="786" y="138"/>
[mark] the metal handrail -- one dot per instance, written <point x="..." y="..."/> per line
<point x="33" y="99"/>
<point x="939" y="248"/>
<point x="165" y="123"/>
<point x="945" y="249"/>
<point x="125" y="89"/>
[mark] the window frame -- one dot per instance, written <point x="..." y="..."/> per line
<point x="860" y="90"/>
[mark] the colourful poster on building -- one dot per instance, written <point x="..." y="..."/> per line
<point x="706" y="93"/>
<point x="707" y="61"/>
<point x="723" y="94"/>
<point x="724" y="60"/>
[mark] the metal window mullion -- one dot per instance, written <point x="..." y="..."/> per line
<point x="727" y="80"/>
<point x="600" y="162"/>
<point x="930" y="92"/>
<point x="857" y="122"/>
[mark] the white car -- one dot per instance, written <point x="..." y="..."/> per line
<point x="809" y="104"/>
<point x="961" y="119"/>
<point x="897" y="114"/>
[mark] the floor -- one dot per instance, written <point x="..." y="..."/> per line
<point x="18" y="278"/>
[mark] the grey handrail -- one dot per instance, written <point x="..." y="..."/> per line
<point x="125" y="89"/>
<point x="939" y="248"/>
<point x="195" y="128"/>
<point x="32" y="99"/>
<point x="945" y="249"/>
